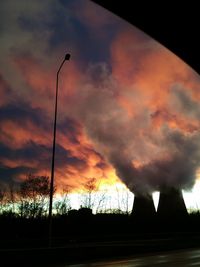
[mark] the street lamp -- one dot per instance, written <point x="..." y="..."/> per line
<point x="67" y="57"/>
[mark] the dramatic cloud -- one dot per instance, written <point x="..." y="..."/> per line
<point x="146" y="155"/>
<point x="128" y="108"/>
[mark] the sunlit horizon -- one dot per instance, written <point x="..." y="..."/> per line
<point x="116" y="195"/>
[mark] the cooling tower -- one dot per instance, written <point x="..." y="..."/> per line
<point x="143" y="206"/>
<point x="171" y="203"/>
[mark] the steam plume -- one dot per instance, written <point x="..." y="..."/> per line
<point x="149" y="146"/>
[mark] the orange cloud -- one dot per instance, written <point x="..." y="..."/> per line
<point x="141" y="64"/>
<point x="145" y="73"/>
<point x="174" y="121"/>
<point x="41" y="82"/>
<point x="16" y="136"/>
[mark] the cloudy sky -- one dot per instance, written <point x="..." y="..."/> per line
<point x="128" y="108"/>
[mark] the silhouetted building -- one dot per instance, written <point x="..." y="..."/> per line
<point x="73" y="212"/>
<point x="171" y="203"/>
<point x="85" y="212"/>
<point x="143" y="206"/>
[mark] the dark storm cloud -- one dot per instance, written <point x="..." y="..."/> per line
<point x="21" y="112"/>
<point x="71" y="129"/>
<point x="29" y="152"/>
<point x="31" y="156"/>
<point x="64" y="158"/>
<point x="39" y="156"/>
<point x="34" y="36"/>
<point x="38" y="33"/>
<point x="96" y="33"/>
<point x="55" y="22"/>
<point x="62" y="24"/>
<point x="9" y="175"/>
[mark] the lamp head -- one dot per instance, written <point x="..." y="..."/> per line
<point x="67" y="56"/>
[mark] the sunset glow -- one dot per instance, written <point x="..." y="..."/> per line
<point x="129" y="111"/>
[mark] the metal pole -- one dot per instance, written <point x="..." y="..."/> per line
<point x="67" y="57"/>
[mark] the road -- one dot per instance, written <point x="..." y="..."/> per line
<point x="171" y="259"/>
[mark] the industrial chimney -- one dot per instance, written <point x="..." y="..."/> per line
<point x="171" y="203"/>
<point x="143" y="206"/>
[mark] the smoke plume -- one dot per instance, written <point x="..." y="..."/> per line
<point x="150" y="146"/>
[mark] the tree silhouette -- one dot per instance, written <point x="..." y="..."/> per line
<point x="33" y="194"/>
<point x="2" y="199"/>
<point x="63" y="205"/>
<point x="87" y="197"/>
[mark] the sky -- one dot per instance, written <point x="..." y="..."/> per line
<point x="128" y="108"/>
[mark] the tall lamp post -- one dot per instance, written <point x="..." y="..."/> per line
<point x="67" y="57"/>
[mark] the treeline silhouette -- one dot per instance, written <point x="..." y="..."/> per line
<point x="30" y="199"/>
<point x="24" y="219"/>
<point x="80" y="235"/>
<point x="27" y="200"/>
